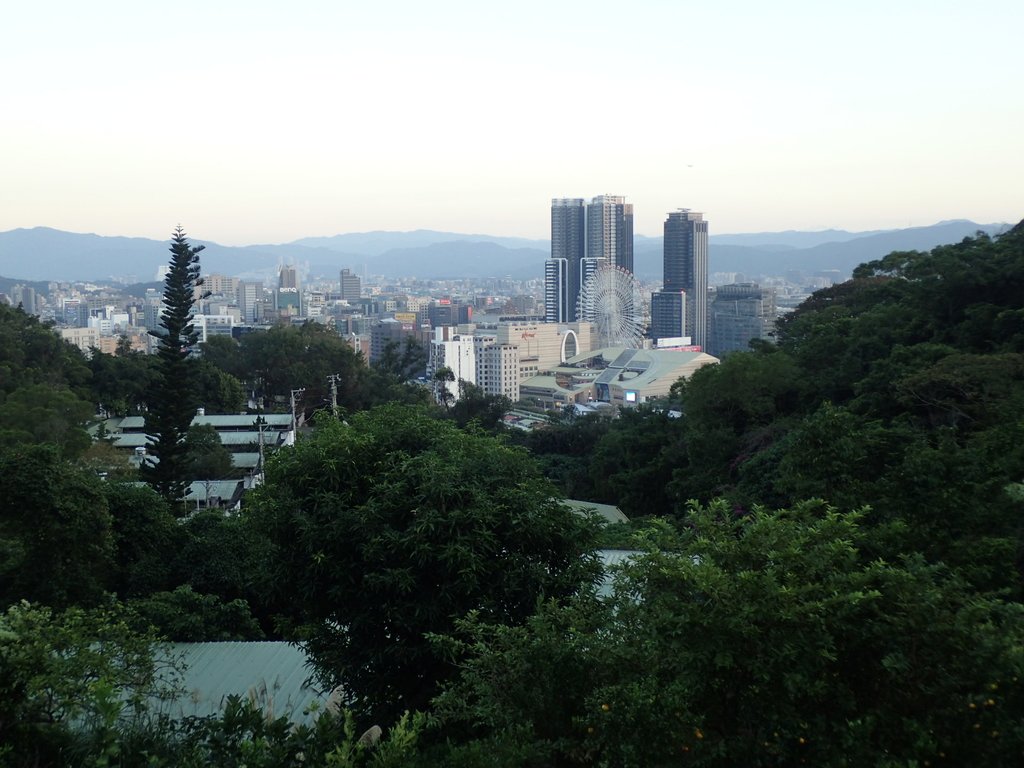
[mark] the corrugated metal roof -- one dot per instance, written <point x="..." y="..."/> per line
<point x="207" y="489"/>
<point x="609" y="512"/>
<point x="271" y="674"/>
<point x="245" y="460"/>
<point x="270" y="437"/>
<point x="218" y="420"/>
<point x="609" y="559"/>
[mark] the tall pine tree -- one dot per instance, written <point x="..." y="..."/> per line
<point x="173" y="405"/>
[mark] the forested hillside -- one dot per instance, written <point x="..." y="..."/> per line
<point x="899" y="392"/>
<point x="828" y="568"/>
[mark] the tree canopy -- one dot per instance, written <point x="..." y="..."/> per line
<point x="56" y="545"/>
<point x="899" y="391"/>
<point x="762" y="639"/>
<point x="391" y="527"/>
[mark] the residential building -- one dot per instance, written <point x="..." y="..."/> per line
<point x="456" y="351"/>
<point x="221" y="285"/>
<point x="83" y="338"/>
<point x="152" y="311"/>
<point x="213" y="325"/>
<point x="497" y="366"/>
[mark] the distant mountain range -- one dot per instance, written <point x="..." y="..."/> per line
<point x="42" y="254"/>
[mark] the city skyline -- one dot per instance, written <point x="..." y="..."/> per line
<point x="248" y="123"/>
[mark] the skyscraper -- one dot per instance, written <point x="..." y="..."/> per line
<point x="249" y="295"/>
<point x="351" y="286"/>
<point x="287" y="277"/>
<point x="288" y="298"/>
<point x="684" y="295"/>
<point x="610" y="231"/>
<point x="556" y="291"/>
<point x="568" y="247"/>
<point x="584" y="236"/>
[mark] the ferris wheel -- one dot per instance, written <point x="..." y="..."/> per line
<point x="611" y="299"/>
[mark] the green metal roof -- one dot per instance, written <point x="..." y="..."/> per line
<point x="608" y="512"/>
<point x="274" y="675"/>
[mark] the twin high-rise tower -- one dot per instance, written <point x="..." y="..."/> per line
<point x="583" y="237"/>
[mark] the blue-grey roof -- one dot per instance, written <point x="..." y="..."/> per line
<point x="273" y="675"/>
<point x="220" y="421"/>
<point x="227" y="439"/>
<point x="245" y="460"/>
<point x="204" y="490"/>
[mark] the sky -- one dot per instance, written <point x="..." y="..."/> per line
<point x="263" y="122"/>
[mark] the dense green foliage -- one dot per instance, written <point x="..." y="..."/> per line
<point x="44" y="386"/>
<point x="125" y="384"/>
<point x="122" y="384"/>
<point x="41" y="413"/>
<point x="291" y="357"/>
<point x="206" y="456"/>
<point x="78" y="666"/>
<point x="760" y="640"/>
<point x="55" y="530"/>
<point x="901" y="390"/>
<point x="395" y="525"/>
<point x="31" y="353"/>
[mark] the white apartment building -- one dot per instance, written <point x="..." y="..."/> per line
<point x="213" y="325"/>
<point x="497" y="366"/>
<point x="453" y="350"/>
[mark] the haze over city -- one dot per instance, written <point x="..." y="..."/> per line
<point x="252" y="122"/>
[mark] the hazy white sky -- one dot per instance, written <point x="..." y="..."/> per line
<point x="267" y="121"/>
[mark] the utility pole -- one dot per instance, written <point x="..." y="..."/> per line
<point x="332" y="379"/>
<point x="260" y="424"/>
<point x="295" y="421"/>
